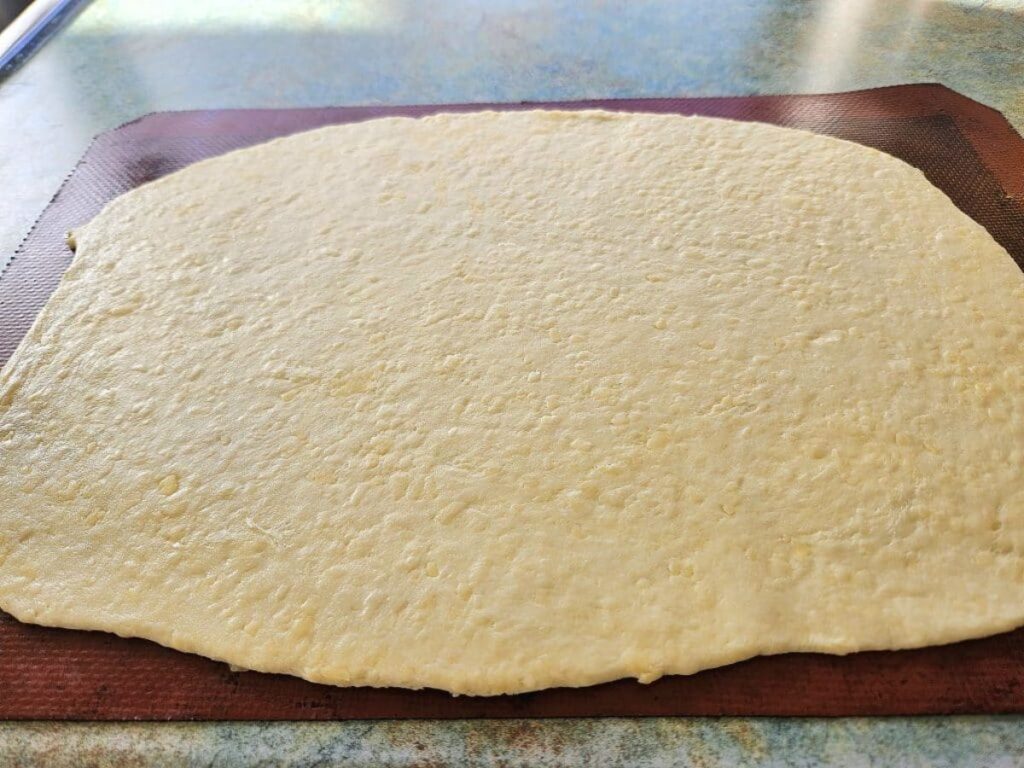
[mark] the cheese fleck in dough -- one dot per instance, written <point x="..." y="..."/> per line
<point x="497" y="402"/>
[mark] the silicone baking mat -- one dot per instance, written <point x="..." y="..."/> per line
<point x="966" y="149"/>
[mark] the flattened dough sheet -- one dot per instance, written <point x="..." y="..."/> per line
<point x="500" y="401"/>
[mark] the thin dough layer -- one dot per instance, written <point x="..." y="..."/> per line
<point x="501" y="401"/>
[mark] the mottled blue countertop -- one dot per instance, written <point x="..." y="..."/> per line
<point x="119" y="59"/>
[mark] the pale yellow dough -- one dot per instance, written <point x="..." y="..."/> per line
<point x="496" y="402"/>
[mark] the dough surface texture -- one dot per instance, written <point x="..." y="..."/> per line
<point x="501" y="401"/>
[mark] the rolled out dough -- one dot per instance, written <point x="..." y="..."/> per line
<point x="500" y="401"/>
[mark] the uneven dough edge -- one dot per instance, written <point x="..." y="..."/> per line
<point x="503" y="686"/>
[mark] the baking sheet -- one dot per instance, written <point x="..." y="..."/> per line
<point x="964" y="148"/>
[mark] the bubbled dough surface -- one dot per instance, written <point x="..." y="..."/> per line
<point x="496" y="402"/>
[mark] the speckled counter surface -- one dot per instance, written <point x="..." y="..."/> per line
<point x="764" y="743"/>
<point x="120" y="59"/>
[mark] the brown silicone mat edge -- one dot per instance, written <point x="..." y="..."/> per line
<point x="965" y="148"/>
